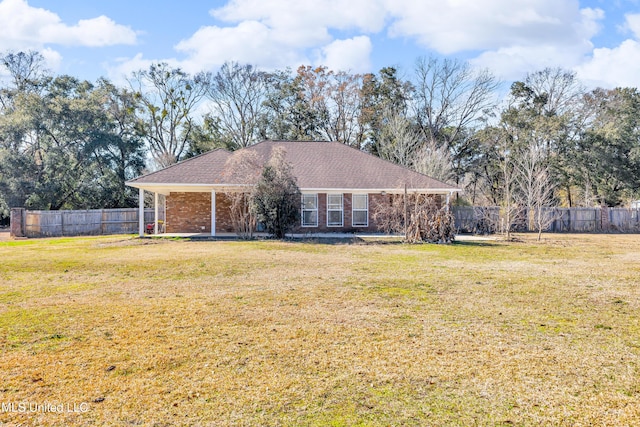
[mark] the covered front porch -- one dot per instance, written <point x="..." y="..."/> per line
<point x="187" y="210"/>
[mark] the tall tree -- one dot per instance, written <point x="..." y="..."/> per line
<point x="120" y="155"/>
<point x="316" y="103"/>
<point x="384" y="95"/>
<point x="342" y="108"/>
<point x="238" y="93"/>
<point x="289" y="116"/>
<point x="19" y="99"/>
<point x="451" y="99"/>
<point x="49" y="140"/>
<point x="208" y="135"/>
<point x="608" y="153"/>
<point x="27" y="70"/>
<point x="536" y="188"/>
<point x="547" y="107"/>
<point x="167" y="99"/>
<point x="65" y="143"/>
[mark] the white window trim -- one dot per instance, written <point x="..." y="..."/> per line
<point x="303" y="210"/>
<point x="335" y="210"/>
<point x="353" y="210"/>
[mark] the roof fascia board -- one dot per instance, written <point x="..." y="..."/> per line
<point x="394" y="190"/>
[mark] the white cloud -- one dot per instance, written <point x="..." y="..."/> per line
<point x="617" y="66"/>
<point x="514" y="62"/>
<point x="52" y="58"/>
<point x="512" y="38"/>
<point x="26" y="27"/>
<point x="515" y="36"/>
<point x="249" y="42"/>
<point x="456" y="25"/>
<point x="632" y="23"/>
<point x="31" y="28"/>
<point x="348" y="55"/>
<point x="307" y="15"/>
<point x="96" y="32"/>
<point x="280" y="33"/>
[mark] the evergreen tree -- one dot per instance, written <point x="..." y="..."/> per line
<point x="276" y="199"/>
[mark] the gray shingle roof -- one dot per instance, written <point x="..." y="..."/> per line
<point x="316" y="165"/>
<point x="202" y="169"/>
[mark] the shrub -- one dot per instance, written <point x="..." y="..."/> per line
<point x="276" y="198"/>
<point x="425" y="220"/>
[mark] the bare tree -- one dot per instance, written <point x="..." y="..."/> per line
<point x="27" y="69"/>
<point x="450" y="99"/>
<point x="398" y="140"/>
<point x="331" y="103"/>
<point x="344" y="93"/>
<point x="536" y="188"/>
<point x="244" y="168"/>
<point x="509" y="208"/>
<point x="433" y="160"/>
<point x="238" y="93"/>
<point x="560" y="88"/>
<point x="167" y="98"/>
<point x="400" y="143"/>
<point x="500" y="176"/>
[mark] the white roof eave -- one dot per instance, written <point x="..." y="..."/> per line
<point x="166" y="188"/>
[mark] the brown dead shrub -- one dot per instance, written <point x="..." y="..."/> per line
<point x="418" y="216"/>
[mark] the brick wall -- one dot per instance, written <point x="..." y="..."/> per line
<point x="188" y="213"/>
<point x="223" y="214"/>
<point x="347" y="227"/>
<point x="191" y="213"/>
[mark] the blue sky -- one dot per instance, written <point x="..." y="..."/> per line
<point x="598" y="39"/>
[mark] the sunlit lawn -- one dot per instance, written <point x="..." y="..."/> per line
<point x="123" y="331"/>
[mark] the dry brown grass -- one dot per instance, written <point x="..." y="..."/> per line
<point x="279" y="333"/>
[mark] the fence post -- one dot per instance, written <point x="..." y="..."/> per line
<point x="605" y="219"/>
<point x="17" y="222"/>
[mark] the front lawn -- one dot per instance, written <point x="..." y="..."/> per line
<point x="125" y="331"/>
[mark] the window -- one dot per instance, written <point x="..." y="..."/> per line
<point x="360" y="210"/>
<point x="309" y="210"/>
<point x="334" y="210"/>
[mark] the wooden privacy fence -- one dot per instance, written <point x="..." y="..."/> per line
<point x="468" y="219"/>
<point x="25" y="223"/>
<point x="560" y="220"/>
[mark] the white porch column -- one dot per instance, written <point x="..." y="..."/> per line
<point x="213" y="213"/>
<point x="141" y="212"/>
<point x="155" y="213"/>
